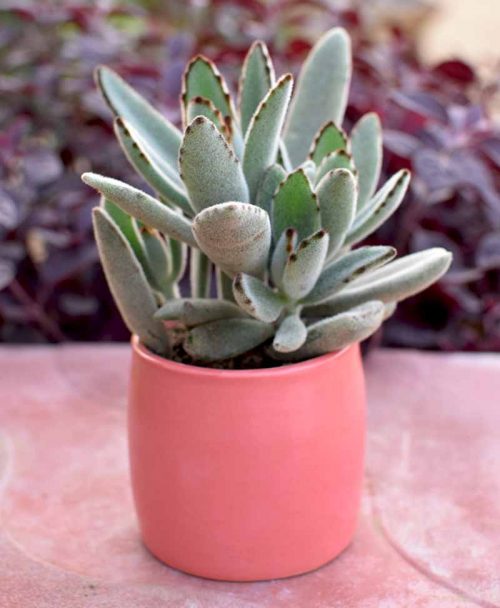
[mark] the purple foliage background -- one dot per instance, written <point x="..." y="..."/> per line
<point x="54" y="126"/>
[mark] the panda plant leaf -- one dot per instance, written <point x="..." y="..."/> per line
<point x="270" y="199"/>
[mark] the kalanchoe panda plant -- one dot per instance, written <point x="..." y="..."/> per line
<point x="271" y="201"/>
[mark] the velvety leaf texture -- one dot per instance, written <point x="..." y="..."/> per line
<point x="143" y="207"/>
<point x="337" y="202"/>
<point x="383" y="205"/>
<point x="330" y="138"/>
<point x="257" y="77"/>
<point x="257" y="299"/>
<point x="169" y="190"/>
<point x="295" y="206"/>
<point x="347" y="268"/>
<point x="263" y="134"/>
<point x="339" y="331"/>
<point x="400" y="279"/>
<point x="203" y="79"/>
<point x="209" y="167"/>
<point x="160" y="137"/>
<point x="235" y="236"/>
<point x="226" y="338"/>
<point x="290" y="335"/>
<point x="304" y="266"/>
<point x="128" y="283"/>
<point x="197" y="311"/>
<point x="366" y="141"/>
<point x="321" y="94"/>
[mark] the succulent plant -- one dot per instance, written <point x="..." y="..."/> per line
<point x="271" y="201"/>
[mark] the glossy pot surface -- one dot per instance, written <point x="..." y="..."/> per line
<point x="247" y="475"/>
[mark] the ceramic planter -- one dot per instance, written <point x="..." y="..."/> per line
<point x="247" y="475"/>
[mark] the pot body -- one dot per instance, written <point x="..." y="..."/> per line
<point x="247" y="475"/>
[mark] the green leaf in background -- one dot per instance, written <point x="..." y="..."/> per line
<point x="380" y="208"/>
<point x="128" y="284"/>
<point x="295" y="206"/>
<point x="337" y="202"/>
<point x="329" y="138"/>
<point x="159" y="137"/>
<point x="263" y="135"/>
<point x="340" y="159"/>
<point x="200" y="106"/>
<point x="257" y="77"/>
<point x="202" y="79"/>
<point x="168" y="189"/>
<point x="268" y="186"/>
<point x="284" y="248"/>
<point x="321" y="92"/>
<point x="366" y="142"/>
<point x="201" y="270"/>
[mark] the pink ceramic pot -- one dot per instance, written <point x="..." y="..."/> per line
<point x="247" y="475"/>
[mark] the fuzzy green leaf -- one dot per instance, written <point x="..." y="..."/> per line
<point x="339" y="331"/>
<point x="380" y="208"/>
<point x="159" y="262"/>
<point x="321" y="94"/>
<point x="337" y="202"/>
<point x="340" y="159"/>
<point x="256" y="298"/>
<point x="268" y="186"/>
<point x="329" y="138"/>
<point x="226" y="338"/>
<point x="396" y="281"/>
<point x="128" y="227"/>
<point x="128" y="283"/>
<point x="200" y="106"/>
<point x="284" y="248"/>
<point x="309" y="169"/>
<point x="202" y="79"/>
<point x="295" y="206"/>
<point x="145" y="208"/>
<point x="160" y="139"/>
<point x="366" y="142"/>
<point x="200" y="274"/>
<point x="178" y="256"/>
<point x="257" y="77"/>
<point x="235" y="236"/>
<point x="284" y="158"/>
<point x="305" y="265"/>
<point x="290" y="335"/>
<point x="209" y="167"/>
<point x="264" y="131"/>
<point x="168" y="189"/>
<point x="346" y="269"/>
<point x="197" y="311"/>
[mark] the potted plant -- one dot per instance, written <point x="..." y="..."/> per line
<point x="246" y="409"/>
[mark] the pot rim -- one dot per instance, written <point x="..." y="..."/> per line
<point x="287" y="369"/>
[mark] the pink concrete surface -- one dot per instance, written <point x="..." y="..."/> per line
<point x="428" y="536"/>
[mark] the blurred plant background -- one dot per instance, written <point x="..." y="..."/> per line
<point x="438" y="120"/>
